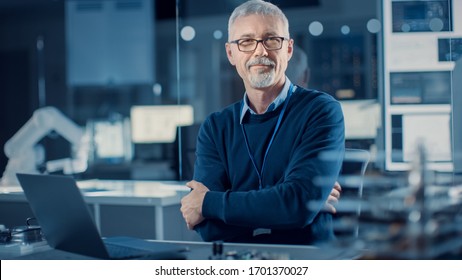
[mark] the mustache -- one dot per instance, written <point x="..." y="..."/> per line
<point x="261" y="61"/>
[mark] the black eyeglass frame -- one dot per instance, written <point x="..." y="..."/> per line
<point x="262" y="41"/>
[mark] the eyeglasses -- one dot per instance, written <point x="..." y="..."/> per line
<point x="250" y="45"/>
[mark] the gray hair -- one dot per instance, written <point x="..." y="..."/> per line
<point x="258" y="7"/>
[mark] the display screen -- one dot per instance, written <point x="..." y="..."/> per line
<point x="449" y="49"/>
<point x="111" y="140"/>
<point x="158" y="124"/>
<point x="362" y="118"/>
<point x="421" y="16"/>
<point x="407" y="133"/>
<point x="420" y="87"/>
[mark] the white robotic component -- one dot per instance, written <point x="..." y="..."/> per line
<point x="25" y="154"/>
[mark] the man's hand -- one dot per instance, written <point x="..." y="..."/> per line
<point x="333" y="198"/>
<point x="191" y="204"/>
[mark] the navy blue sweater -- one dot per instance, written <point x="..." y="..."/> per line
<point x="301" y="167"/>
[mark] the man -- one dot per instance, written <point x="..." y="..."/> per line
<point x="264" y="166"/>
<point x="298" y="70"/>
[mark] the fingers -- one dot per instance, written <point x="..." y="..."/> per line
<point x="336" y="194"/>
<point x="191" y="184"/>
<point x="196" y="185"/>
<point x="329" y="208"/>
<point x="337" y="186"/>
<point x="332" y="199"/>
<point x="187" y="216"/>
<point x="191" y="204"/>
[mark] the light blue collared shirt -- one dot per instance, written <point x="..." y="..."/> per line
<point x="276" y="102"/>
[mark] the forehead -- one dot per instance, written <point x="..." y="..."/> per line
<point x="256" y="26"/>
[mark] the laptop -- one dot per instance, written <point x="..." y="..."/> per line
<point x="66" y="223"/>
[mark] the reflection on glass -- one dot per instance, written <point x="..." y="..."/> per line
<point x="374" y="25"/>
<point x="316" y="28"/>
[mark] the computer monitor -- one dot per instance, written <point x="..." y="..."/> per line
<point x="362" y="118"/>
<point x="449" y="49"/>
<point x="422" y="16"/>
<point x="433" y="87"/>
<point x="158" y="123"/>
<point x="110" y="140"/>
<point x="430" y="129"/>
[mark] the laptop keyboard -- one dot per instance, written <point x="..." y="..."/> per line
<point x="122" y="252"/>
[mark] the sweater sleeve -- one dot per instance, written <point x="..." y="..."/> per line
<point x="210" y="169"/>
<point x="295" y="201"/>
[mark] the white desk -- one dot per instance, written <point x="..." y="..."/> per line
<point x="97" y="193"/>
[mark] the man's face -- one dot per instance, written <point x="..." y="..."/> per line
<point x="260" y="68"/>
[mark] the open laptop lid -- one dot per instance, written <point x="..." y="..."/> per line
<point x="63" y="215"/>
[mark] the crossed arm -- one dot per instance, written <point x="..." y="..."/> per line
<point x="191" y="204"/>
<point x="222" y="205"/>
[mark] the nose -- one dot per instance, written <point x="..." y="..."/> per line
<point x="260" y="50"/>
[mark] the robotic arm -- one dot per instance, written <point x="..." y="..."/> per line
<point x="25" y="154"/>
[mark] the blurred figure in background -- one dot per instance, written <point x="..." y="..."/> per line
<point x="298" y="69"/>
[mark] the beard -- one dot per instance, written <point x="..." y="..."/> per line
<point x="264" y="78"/>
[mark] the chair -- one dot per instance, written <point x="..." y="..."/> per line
<point x="351" y="180"/>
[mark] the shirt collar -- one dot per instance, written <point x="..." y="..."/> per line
<point x="276" y="102"/>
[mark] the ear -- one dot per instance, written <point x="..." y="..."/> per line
<point x="229" y="53"/>
<point x="290" y="49"/>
